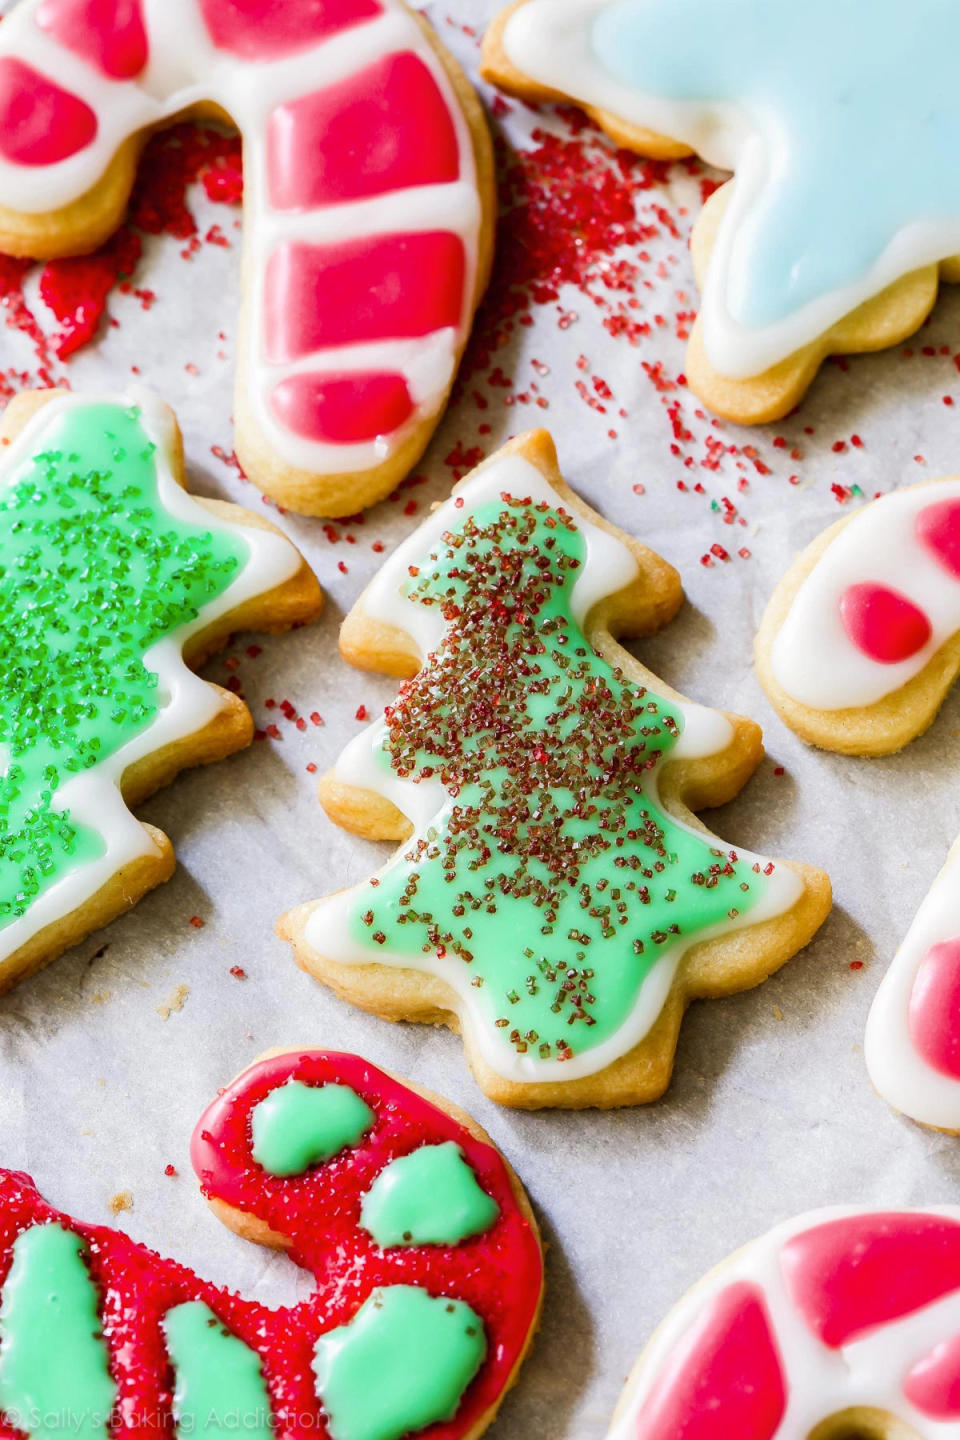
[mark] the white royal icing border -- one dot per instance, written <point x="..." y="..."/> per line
<point x="609" y="567"/>
<point x="812" y="657"/>
<point x="822" y="1382"/>
<point x="93" y="797"/>
<point x="899" y="1073"/>
<point x="185" y="69"/>
<point x="550" y="41"/>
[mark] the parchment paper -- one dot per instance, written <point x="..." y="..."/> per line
<point x="771" y="1112"/>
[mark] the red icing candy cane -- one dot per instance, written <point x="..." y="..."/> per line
<point x="368" y="204"/>
<point x="827" y="1318"/>
<point x="493" y="1275"/>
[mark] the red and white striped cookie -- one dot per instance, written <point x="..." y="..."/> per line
<point x="368" y="204"/>
<point x="861" y="641"/>
<point x="843" y="1323"/>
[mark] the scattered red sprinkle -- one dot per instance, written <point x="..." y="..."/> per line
<point x="238" y="972"/>
<point x="196" y="922"/>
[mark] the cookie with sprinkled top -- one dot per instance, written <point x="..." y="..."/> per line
<point x="423" y="1250"/>
<point x="369" y="204"/>
<point x="113" y="582"/>
<point x="860" y="643"/>
<point x="553" y="897"/>
<point x="819" y="246"/>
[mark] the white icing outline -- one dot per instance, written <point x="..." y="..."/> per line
<point x="550" y="41"/>
<point x="899" y="1073"/>
<point x="822" y="1382"/>
<point x="609" y="566"/>
<point x="184" y="69"/>
<point x="93" y="797"/>
<point x="812" y="657"/>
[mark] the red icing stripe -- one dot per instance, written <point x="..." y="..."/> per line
<point x="883" y="624"/>
<point x="40" y="123"/>
<point x="849" y="1276"/>
<point x="342" y="409"/>
<point x="724" y="1380"/>
<point x="498" y="1273"/>
<point x="935" y="1009"/>
<point x="108" y="34"/>
<point x="386" y="128"/>
<point x="934" y="1384"/>
<point x="938" y="527"/>
<point x="270" y="29"/>
<point x="388" y="287"/>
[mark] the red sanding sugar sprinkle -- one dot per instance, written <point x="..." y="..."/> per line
<point x="77" y="289"/>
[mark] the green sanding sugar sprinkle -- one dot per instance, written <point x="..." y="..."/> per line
<point x="551" y="871"/>
<point x="93" y="572"/>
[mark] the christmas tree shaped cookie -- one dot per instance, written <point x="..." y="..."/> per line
<point x="323" y="1155"/>
<point x="553" y="896"/>
<point x="112" y="581"/>
<point x="841" y="122"/>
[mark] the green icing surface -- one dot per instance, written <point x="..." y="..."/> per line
<point x="551" y="871"/>
<point x="429" y="1197"/>
<point x="93" y="572"/>
<point x="54" y="1375"/>
<point x="219" y="1387"/>
<point x="299" y="1125"/>
<point x="401" y="1364"/>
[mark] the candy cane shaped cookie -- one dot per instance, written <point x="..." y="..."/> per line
<point x="912" y="1043"/>
<point x="815" y="248"/>
<point x="114" y="581"/>
<point x="424" y="1252"/>
<point x="861" y="641"/>
<point x="841" y="1325"/>
<point x="368" y="204"/>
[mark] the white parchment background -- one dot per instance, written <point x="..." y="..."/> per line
<point x="771" y="1112"/>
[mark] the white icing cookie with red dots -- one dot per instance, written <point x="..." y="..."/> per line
<point x="368" y="208"/>
<point x="844" y="1323"/>
<point x="861" y="640"/>
<point x="912" y="1045"/>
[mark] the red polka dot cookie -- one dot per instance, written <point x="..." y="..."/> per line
<point x="861" y="641"/>
<point x="424" y="1251"/>
<point x="368" y="204"/>
<point x="840" y="1324"/>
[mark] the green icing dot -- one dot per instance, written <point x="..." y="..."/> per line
<point x="54" y="1375"/>
<point x="551" y="872"/>
<point x="219" y="1387"/>
<point x="401" y="1364"/>
<point x="299" y="1125"/>
<point x="93" y="572"/>
<point x="429" y="1197"/>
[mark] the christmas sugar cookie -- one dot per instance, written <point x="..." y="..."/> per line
<point x="912" y="1044"/>
<point x="553" y="897"/>
<point x="844" y="214"/>
<point x="841" y="1325"/>
<point x="424" y="1252"/>
<point x="861" y="641"/>
<point x="111" y="578"/>
<point x="368" y="204"/>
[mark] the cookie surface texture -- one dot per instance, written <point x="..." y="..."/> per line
<point x="860" y="643"/>
<point x="912" y="1045"/>
<point x="422" y="1333"/>
<point x="553" y="897"/>
<point x="841" y="1323"/>
<point x="113" y="581"/>
<point x="796" y="258"/>
<point x="368" y="204"/>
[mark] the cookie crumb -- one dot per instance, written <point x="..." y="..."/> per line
<point x="123" y="1200"/>
<point x="777" y="1013"/>
<point x="176" y="1002"/>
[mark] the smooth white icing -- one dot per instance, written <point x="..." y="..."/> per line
<point x="609" y="567"/>
<point x="812" y="657"/>
<point x="554" y="42"/>
<point x="900" y="1074"/>
<point x="822" y="1382"/>
<point x="184" y="70"/>
<point x="93" y="797"/>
